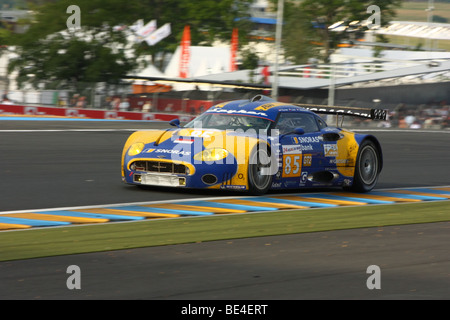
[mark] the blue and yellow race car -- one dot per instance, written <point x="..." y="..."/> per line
<point x="256" y="145"/>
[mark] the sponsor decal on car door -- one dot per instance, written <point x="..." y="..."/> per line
<point x="300" y="154"/>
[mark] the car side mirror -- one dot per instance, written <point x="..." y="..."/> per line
<point x="175" y="123"/>
<point x="299" y="131"/>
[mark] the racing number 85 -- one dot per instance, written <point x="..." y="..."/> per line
<point x="292" y="165"/>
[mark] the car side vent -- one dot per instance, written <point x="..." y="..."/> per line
<point x="322" y="176"/>
<point x="331" y="136"/>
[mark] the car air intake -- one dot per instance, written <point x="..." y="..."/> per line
<point x="159" y="166"/>
<point x="209" y="179"/>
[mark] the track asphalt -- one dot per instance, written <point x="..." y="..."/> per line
<point x="78" y="164"/>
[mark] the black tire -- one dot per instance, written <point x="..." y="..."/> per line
<point x="259" y="177"/>
<point x="367" y="168"/>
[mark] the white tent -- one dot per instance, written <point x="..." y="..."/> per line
<point x="149" y="71"/>
<point x="203" y="61"/>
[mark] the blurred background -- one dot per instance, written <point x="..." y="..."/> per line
<point x="181" y="57"/>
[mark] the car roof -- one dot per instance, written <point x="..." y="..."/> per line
<point x="260" y="106"/>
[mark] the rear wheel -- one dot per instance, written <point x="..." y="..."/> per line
<point x="367" y="170"/>
<point x="259" y="175"/>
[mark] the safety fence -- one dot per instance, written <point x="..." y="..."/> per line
<point x="90" y="113"/>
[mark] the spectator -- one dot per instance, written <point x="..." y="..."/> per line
<point x="265" y="73"/>
<point x="410" y="119"/>
<point x="107" y="103"/>
<point x="147" y="107"/>
<point x="124" y="105"/>
<point x="443" y="111"/>
<point x="402" y="123"/>
<point x="428" y="123"/>
<point x="5" y="98"/>
<point x="446" y="123"/>
<point x="81" y="103"/>
<point x="415" y="125"/>
<point x="115" y="104"/>
<point x="61" y="102"/>
<point x="169" y="108"/>
<point x="74" y="100"/>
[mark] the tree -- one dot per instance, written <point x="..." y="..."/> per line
<point x="68" y="61"/>
<point x="250" y="59"/>
<point x="48" y="54"/>
<point x="312" y="19"/>
<point x="297" y="40"/>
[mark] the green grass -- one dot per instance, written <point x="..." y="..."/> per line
<point x="36" y="243"/>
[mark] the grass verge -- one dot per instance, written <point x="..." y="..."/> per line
<point x="36" y="243"/>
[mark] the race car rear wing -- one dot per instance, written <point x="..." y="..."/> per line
<point x="373" y="114"/>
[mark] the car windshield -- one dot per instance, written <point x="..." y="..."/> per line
<point x="288" y="121"/>
<point x="229" y="122"/>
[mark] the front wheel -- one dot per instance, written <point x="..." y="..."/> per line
<point x="367" y="170"/>
<point x="259" y="175"/>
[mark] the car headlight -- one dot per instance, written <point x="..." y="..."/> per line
<point x="136" y="148"/>
<point x="211" y="154"/>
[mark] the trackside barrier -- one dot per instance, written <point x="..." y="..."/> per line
<point x="89" y="113"/>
